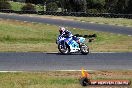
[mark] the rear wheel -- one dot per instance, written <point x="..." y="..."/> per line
<point x="84" y="49"/>
<point x="63" y="50"/>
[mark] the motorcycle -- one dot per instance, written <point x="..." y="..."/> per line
<point x="67" y="45"/>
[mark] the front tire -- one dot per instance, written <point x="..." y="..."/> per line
<point x="62" y="50"/>
<point x="84" y="49"/>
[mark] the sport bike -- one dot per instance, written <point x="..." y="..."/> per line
<point x="67" y="45"/>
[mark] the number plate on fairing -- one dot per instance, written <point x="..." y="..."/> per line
<point x="72" y="43"/>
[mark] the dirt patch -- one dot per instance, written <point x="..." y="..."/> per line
<point x="93" y="74"/>
<point x="112" y="74"/>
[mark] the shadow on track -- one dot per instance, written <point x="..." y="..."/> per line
<point x="64" y="54"/>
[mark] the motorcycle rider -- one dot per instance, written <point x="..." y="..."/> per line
<point x="66" y="33"/>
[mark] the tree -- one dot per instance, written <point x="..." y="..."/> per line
<point x="74" y="5"/>
<point x="62" y="4"/>
<point x="34" y="1"/>
<point x="96" y="5"/>
<point x="110" y="5"/>
<point x="4" y="4"/>
<point x="117" y="6"/>
<point x="28" y="6"/>
<point x="129" y="8"/>
<point x="52" y="7"/>
<point x="81" y="5"/>
<point x="44" y="4"/>
<point x="121" y="6"/>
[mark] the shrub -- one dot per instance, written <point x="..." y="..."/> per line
<point x="92" y="11"/>
<point x="5" y="5"/>
<point x="27" y="7"/>
<point x="51" y="7"/>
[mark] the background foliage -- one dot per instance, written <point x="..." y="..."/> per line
<point x="90" y="6"/>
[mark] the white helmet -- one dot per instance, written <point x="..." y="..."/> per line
<point x="61" y="30"/>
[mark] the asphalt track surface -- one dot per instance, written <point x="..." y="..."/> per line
<point x="34" y="61"/>
<point x="75" y="24"/>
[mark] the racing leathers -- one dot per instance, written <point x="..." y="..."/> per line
<point x="67" y="34"/>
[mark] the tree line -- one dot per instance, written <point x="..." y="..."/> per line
<point x="91" y="6"/>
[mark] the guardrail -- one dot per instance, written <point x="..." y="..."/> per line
<point x="78" y="14"/>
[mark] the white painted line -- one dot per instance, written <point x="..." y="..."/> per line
<point x="44" y="71"/>
<point x="83" y="21"/>
<point x="73" y="70"/>
<point x="50" y="52"/>
<point x="33" y="22"/>
<point x="25" y="21"/>
<point x="30" y="16"/>
<point x="104" y="52"/>
<point x="20" y="15"/>
<point x="91" y="22"/>
<point x="129" y="35"/>
<point x="10" y="71"/>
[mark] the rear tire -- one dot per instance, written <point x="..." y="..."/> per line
<point x="64" y="51"/>
<point x="84" y="49"/>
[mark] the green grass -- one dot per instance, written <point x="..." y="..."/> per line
<point x="44" y="80"/>
<point x="34" y="80"/>
<point x="17" y="36"/>
<point x="112" y="21"/>
<point x="17" y="6"/>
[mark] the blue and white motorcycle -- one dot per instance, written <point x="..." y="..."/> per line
<point x="70" y="45"/>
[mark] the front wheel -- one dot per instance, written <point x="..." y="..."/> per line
<point x="63" y="50"/>
<point x="84" y="49"/>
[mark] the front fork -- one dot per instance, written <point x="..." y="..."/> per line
<point x="63" y="45"/>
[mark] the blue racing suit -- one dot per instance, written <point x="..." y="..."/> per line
<point x="66" y="34"/>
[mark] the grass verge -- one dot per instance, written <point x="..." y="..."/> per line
<point x="17" y="36"/>
<point x="56" y="79"/>
<point x="98" y="20"/>
<point x="111" y="21"/>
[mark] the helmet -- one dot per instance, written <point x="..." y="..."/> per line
<point x="61" y="30"/>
